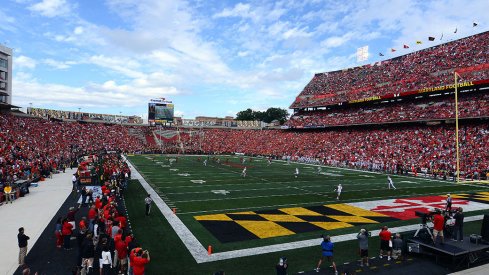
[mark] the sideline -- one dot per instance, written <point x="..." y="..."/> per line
<point x="199" y="252"/>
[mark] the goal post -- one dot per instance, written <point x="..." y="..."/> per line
<point x="467" y="77"/>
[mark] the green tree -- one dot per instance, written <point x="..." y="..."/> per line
<point x="260" y="116"/>
<point x="245" y="115"/>
<point x="276" y="114"/>
<point x="268" y="116"/>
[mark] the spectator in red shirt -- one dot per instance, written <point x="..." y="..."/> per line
<point x="385" y="237"/>
<point x="138" y="263"/>
<point x="67" y="231"/>
<point x="438" y="224"/>
<point x="121" y="247"/>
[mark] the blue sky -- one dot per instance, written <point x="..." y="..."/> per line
<point x="211" y="58"/>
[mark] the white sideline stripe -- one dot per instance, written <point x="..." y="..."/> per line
<point x="189" y="240"/>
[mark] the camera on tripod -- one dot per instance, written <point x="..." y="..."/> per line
<point x="425" y="217"/>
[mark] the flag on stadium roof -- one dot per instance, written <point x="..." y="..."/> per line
<point x="441" y="36"/>
<point x="406" y="46"/>
<point x="362" y="53"/>
<point x="431" y="38"/>
<point x="475" y="24"/>
<point x="393" y="50"/>
<point x="419" y="42"/>
<point x="381" y="54"/>
<point x="455" y="30"/>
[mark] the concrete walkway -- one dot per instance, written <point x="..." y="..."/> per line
<point x="33" y="212"/>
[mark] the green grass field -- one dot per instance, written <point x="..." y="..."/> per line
<point x="195" y="190"/>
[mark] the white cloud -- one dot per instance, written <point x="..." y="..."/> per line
<point x="6" y="22"/>
<point x="107" y="94"/>
<point x="51" y="8"/>
<point x="126" y="66"/>
<point x="336" y="41"/>
<point x="239" y="10"/>
<point x="58" y="64"/>
<point x="243" y="53"/>
<point x="24" y="62"/>
<point x="78" y="30"/>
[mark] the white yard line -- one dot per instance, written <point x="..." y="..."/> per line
<point x="223" y="186"/>
<point x="243" y="198"/>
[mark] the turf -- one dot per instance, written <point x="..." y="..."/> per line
<point x="265" y="188"/>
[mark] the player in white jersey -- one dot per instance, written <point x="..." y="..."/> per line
<point x="205" y="162"/>
<point x="296" y="174"/>
<point x="338" y="190"/>
<point x="269" y="161"/>
<point x="243" y="174"/>
<point x="390" y="183"/>
<point x="319" y="170"/>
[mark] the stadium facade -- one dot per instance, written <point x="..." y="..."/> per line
<point x="5" y="76"/>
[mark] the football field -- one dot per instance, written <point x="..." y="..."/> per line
<point x="272" y="205"/>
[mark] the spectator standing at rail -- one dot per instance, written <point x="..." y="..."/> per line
<point x="397" y="245"/>
<point x="327" y="253"/>
<point x="22" y="240"/>
<point x="449" y="203"/>
<point x="282" y="266"/>
<point x="459" y="225"/>
<point x="363" y="246"/>
<point x="438" y="225"/>
<point x="385" y="238"/>
<point x="139" y="262"/>
<point x="148" y="200"/>
<point x="74" y="181"/>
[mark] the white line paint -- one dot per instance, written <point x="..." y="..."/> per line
<point x="189" y="240"/>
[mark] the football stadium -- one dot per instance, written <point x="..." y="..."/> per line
<point x="375" y="161"/>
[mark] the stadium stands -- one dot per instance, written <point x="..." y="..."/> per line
<point x="431" y="67"/>
<point x="67" y="115"/>
<point x="394" y="149"/>
<point x="31" y="147"/>
<point x="471" y="106"/>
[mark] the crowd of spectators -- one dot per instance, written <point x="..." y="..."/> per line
<point x="102" y="237"/>
<point x="426" y="109"/>
<point x="32" y="149"/>
<point x="431" y="67"/>
<point x="395" y="149"/>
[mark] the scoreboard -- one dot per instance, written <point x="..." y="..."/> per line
<point x="160" y="111"/>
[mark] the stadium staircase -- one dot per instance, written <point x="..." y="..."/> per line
<point x="138" y="133"/>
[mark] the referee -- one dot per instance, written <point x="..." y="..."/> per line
<point x="148" y="202"/>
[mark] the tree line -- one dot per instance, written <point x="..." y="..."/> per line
<point x="267" y="116"/>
